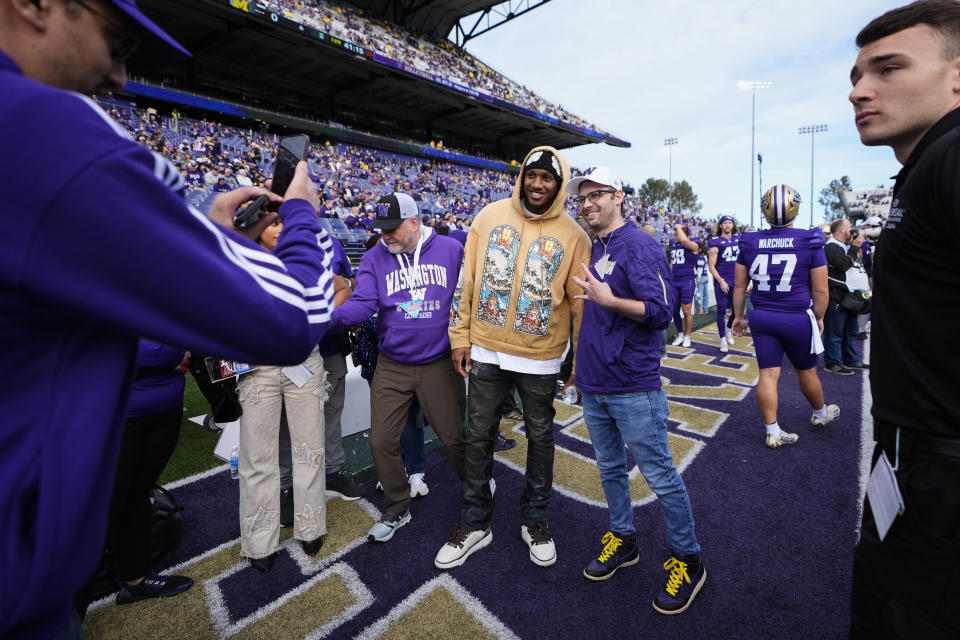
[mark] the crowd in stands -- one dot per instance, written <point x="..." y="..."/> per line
<point x="436" y="56"/>
<point x="215" y="158"/>
<point x="869" y="202"/>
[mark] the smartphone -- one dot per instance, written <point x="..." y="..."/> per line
<point x="292" y="149"/>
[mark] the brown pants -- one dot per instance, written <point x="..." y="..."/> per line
<point x="442" y="395"/>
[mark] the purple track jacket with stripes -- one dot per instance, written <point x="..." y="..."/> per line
<point x="99" y="249"/>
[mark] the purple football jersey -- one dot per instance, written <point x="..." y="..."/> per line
<point x="779" y="263"/>
<point x="727" y="252"/>
<point x="683" y="261"/>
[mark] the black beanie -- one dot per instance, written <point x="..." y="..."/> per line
<point x="546" y="161"/>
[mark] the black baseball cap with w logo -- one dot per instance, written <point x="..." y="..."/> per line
<point x="393" y="209"/>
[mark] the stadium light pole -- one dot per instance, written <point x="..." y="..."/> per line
<point x="752" y="86"/>
<point x="668" y="143"/>
<point x="760" y="179"/>
<point x="813" y="130"/>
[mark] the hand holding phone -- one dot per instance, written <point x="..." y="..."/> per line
<point x="290" y="152"/>
<point x="303" y="187"/>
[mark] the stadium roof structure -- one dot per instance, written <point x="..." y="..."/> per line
<point x="439" y="17"/>
<point x="244" y="53"/>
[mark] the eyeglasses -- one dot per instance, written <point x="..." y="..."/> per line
<point x="123" y="44"/>
<point x="593" y="196"/>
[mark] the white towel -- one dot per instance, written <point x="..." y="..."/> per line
<point x="816" y="344"/>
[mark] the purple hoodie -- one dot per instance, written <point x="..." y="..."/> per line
<point x="616" y="354"/>
<point x="382" y="285"/>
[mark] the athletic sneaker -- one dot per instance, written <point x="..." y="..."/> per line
<point x="686" y="341"/>
<point x="857" y="365"/>
<point x="460" y="545"/>
<point x="617" y="552"/>
<point x="341" y="485"/>
<point x="677" y="341"/>
<point x="418" y="487"/>
<point x="775" y="442"/>
<point x="730" y="337"/>
<point x="838" y="369"/>
<point x="513" y="414"/>
<point x="388" y="524"/>
<point x="833" y="412"/>
<point x="724" y="347"/>
<point x="681" y="587"/>
<point x="502" y="443"/>
<point x="543" y="551"/>
<point x="153" y="586"/>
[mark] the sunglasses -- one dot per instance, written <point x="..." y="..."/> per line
<point x="123" y="44"/>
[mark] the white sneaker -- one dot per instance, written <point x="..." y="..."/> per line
<point x="686" y="341"/>
<point x="417" y="486"/>
<point x="677" y="341"/>
<point x="833" y="412"/>
<point x="460" y="545"/>
<point x="730" y="337"/>
<point x="543" y="551"/>
<point x="724" y="347"/>
<point x="775" y="442"/>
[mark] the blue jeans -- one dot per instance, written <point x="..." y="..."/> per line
<point x="703" y="285"/>
<point x="640" y="421"/>
<point x="840" y="331"/>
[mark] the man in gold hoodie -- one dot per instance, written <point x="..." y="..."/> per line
<point x="509" y="324"/>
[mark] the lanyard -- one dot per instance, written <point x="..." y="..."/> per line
<point x="405" y="265"/>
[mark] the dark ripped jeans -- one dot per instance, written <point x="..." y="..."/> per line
<point x="489" y="384"/>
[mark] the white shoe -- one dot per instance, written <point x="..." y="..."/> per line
<point x="460" y="545"/>
<point x="417" y="486"/>
<point x="543" y="551"/>
<point x="833" y="412"/>
<point x="724" y="347"/>
<point x="730" y="337"/>
<point x="775" y="442"/>
<point x="677" y="341"/>
<point x="686" y="341"/>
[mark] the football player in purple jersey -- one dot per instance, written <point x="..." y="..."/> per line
<point x="724" y="248"/>
<point x="789" y="274"/>
<point x="683" y="263"/>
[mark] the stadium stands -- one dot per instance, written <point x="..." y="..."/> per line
<point x="351" y="177"/>
<point x="440" y="57"/>
<point x="863" y="203"/>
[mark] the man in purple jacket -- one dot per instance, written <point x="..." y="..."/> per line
<point x="100" y="250"/>
<point x="408" y="279"/>
<point x="627" y="303"/>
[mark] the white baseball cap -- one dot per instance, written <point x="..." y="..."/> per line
<point x="600" y="175"/>
<point x="873" y="221"/>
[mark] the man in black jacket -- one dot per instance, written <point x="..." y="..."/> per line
<point x="840" y="324"/>
<point x="906" y="93"/>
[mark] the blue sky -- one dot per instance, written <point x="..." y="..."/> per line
<point x="646" y="71"/>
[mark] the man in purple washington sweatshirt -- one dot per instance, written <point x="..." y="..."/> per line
<point x="408" y="279"/>
<point x="99" y="250"/>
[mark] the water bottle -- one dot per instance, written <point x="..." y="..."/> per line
<point x="570" y="395"/>
<point x="235" y="463"/>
